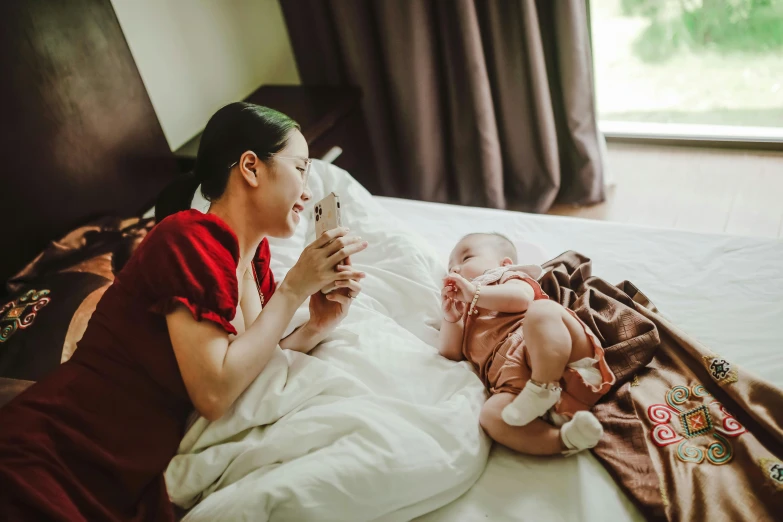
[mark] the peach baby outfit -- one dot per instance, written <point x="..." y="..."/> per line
<point x="494" y="343"/>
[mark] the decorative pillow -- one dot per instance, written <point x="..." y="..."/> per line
<point x="35" y="323"/>
<point x="52" y="299"/>
<point x="101" y="247"/>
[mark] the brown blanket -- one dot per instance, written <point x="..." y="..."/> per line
<point x="689" y="434"/>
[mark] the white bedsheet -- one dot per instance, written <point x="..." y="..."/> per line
<point x="726" y="291"/>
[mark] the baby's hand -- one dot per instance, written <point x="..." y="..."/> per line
<point x="459" y="288"/>
<point x="452" y="310"/>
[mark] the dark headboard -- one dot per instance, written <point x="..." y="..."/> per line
<point x="78" y="135"/>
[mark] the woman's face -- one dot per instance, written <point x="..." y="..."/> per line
<point x="283" y="192"/>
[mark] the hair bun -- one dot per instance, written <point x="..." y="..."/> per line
<point x="177" y="196"/>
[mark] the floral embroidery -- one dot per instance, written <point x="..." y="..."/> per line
<point x="695" y="422"/>
<point x="720" y="369"/>
<point x="14" y="315"/>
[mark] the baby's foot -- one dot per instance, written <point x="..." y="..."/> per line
<point x="581" y="432"/>
<point x="532" y="402"/>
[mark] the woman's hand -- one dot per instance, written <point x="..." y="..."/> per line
<point x="317" y="266"/>
<point x="328" y="310"/>
<point x="452" y="310"/>
<point x="458" y="288"/>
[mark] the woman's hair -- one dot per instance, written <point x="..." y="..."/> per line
<point x="234" y="129"/>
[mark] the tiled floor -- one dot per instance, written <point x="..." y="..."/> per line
<point x="704" y="190"/>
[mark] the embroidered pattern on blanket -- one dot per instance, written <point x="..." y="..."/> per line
<point x="721" y="370"/>
<point x="774" y="470"/>
<point x="14" y="316"/>
<point x="694" y="423"/>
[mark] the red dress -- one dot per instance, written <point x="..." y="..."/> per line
<point x="91" y="441"/>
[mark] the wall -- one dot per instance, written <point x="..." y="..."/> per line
<point x="195" y="56"/>
<point x="79" y="137"/>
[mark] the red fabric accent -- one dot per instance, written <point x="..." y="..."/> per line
<point x="194" y="257"/>
<point x="199" y="314"/>
<point x="92" y="440"/>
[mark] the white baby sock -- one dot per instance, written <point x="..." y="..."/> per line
<point x="532" y="402"/>
<point x="581" y="432"/>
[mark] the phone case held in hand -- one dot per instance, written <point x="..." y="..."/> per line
<point x="327" y="217"/>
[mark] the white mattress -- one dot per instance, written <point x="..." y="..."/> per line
<point x="726" y="291"/>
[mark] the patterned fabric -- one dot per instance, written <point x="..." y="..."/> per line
<point x="774" y="470"/>
<point x="721" y="370"/>
<point x="76" y="270"/>
<point x="673" y="424"/>
<point x="38" y="322"/>
<point x="688" y="435"/>
<point x="20" y="313"/>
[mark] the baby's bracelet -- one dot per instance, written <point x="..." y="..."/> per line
<point x="473" y="309"/>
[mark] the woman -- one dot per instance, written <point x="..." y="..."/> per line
<point x="181" y="327"/>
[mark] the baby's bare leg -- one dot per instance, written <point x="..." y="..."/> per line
<point x="536" y="438"/>
<point x="553" y="339"/>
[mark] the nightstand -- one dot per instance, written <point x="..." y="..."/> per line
<point x="332" y="122"/>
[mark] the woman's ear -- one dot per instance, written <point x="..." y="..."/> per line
<point x="506" y="261"/>
<point x="249" y="167"/>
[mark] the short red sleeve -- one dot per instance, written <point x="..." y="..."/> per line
<point x="190" y="259"/>
<point x="537" y="291"/>
<point x="266" y="280"/>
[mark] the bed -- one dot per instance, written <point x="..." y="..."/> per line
<point x="376" y="426"/>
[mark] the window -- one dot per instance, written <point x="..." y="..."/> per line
<point x="709" y="67"/>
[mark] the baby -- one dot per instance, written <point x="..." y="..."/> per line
<point x="542" y="365"/>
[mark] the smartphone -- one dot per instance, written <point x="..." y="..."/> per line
<point x="327" y="214"/>
<point x="327" y="217"/>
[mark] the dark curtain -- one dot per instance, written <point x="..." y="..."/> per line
<point x="483" y="103"/>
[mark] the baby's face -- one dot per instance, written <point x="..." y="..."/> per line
<point x="474" y="255"/>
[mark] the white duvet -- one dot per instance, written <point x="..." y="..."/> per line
<point x="372" y="425"/>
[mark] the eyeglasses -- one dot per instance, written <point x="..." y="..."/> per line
<point x="305" y="172"/>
